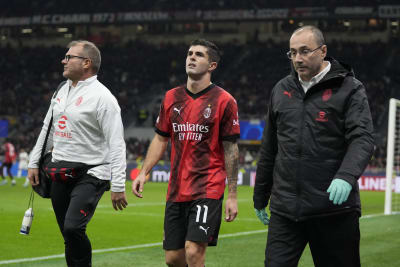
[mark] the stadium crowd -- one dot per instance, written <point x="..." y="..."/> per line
<point x="75" y="6"/>
<point x="137" y="72"/>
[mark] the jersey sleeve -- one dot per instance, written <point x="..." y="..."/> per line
<point x="163" y="123"/>
<point x="230" y="129"/>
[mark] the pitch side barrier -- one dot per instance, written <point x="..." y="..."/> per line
<point x="247" y="176"/>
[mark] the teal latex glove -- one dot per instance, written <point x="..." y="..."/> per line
<point x="262" y="215"/>
<point x="339" y="191"/>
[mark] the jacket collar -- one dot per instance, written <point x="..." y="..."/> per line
<point x="84" y="82"/>
<point x="338" y="69"/>
<point x="338" y="72"/>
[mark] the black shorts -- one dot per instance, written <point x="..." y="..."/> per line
<point x="8" y="165"/>
<point x="198" y="221"/>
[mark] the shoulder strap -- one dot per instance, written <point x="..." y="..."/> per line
<point x="58" y="88"/>
<point x="51" y="120"/>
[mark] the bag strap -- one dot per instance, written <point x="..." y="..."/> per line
<point x="51" y="120"/>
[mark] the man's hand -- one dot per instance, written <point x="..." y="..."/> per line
<point x="262" y="215"/>
<point x="231" y="209"/>
<point x="339" y="191"/>
<point x="33" y="176"/>
<point x="137" y="185"/>
<point x="118" y="200"/>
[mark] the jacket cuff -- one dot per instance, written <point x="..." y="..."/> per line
<point x="348" y="178"/>
<point x="117" y="188"/>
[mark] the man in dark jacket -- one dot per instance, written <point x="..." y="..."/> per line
<point x="316" y="143"/>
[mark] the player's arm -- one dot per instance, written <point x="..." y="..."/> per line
<point x="231" y="154"/>
<point x="156" y="150"/>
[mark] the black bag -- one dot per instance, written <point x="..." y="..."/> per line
<point x="65" y="171"/>
<point x="44" y="186"/>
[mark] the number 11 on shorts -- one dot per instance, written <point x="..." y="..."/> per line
<point x="204" y="213"/>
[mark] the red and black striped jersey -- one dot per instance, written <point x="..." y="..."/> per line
<point x="10" y="153"/>
<point x="197" y="124"/>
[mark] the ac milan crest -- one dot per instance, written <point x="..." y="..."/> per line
<point x="78" y="101"/>
<point x="327" y="95"/>
<point x="207" y="112"/>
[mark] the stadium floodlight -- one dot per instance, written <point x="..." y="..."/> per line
<point x="392" y="194"/>
<point x="62" y="29"/>
<point x="26" y="30"/>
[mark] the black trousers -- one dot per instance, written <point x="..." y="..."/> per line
<point x="74" y="205"/>
<point x="333" y="240"/>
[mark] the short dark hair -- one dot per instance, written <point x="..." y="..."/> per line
<point x="212" y="50"/>
<point x="317" y="33"/>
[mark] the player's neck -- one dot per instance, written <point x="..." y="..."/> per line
<point x="196" y="86"/>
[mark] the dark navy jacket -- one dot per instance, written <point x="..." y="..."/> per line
<point x="310" y="139"/>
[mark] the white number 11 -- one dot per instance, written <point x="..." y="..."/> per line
<point x="204" y="214"/>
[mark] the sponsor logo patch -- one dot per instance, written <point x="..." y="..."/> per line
<point x="322" y="116"/>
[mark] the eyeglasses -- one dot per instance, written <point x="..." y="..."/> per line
<point x="68" y="57"/>
<point x="302" y="52"/>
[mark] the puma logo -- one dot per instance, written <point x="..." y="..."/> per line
<point x="178" y="110"/>
<point x="204" y="229"/>
<point x="289" y="94"/>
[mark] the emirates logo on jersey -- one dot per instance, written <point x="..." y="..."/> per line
<point x="207" y="112"/>
<point x="189" y="131"/>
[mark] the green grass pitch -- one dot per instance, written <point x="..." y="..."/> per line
<point x="133" y="237"/>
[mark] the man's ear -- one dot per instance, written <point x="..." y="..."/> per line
<point x="212" y="66"/>
<point x="324" y="50"/>
<point x="87" y="64"/>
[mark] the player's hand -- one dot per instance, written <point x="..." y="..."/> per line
<point x="339" y="191"/>
<point x="137" y="185"/>
<point x="262" y="215"/>
<point x="118" y="200"/>
<point x="33" y="176"/>
<point x="231" y="208"/>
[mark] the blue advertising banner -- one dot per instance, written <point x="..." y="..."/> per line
<point x="251" y="129"/>
<point x="3" y="128"/>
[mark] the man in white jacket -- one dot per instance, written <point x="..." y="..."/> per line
<point x="86" y="128"/>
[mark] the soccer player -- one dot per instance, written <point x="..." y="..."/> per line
<point x="316" y="144"/>
<point x="9" y="158"/>
<point x="23" y="160"/>
<point x="87" y="128"/>
<point x="201" y="119"/>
